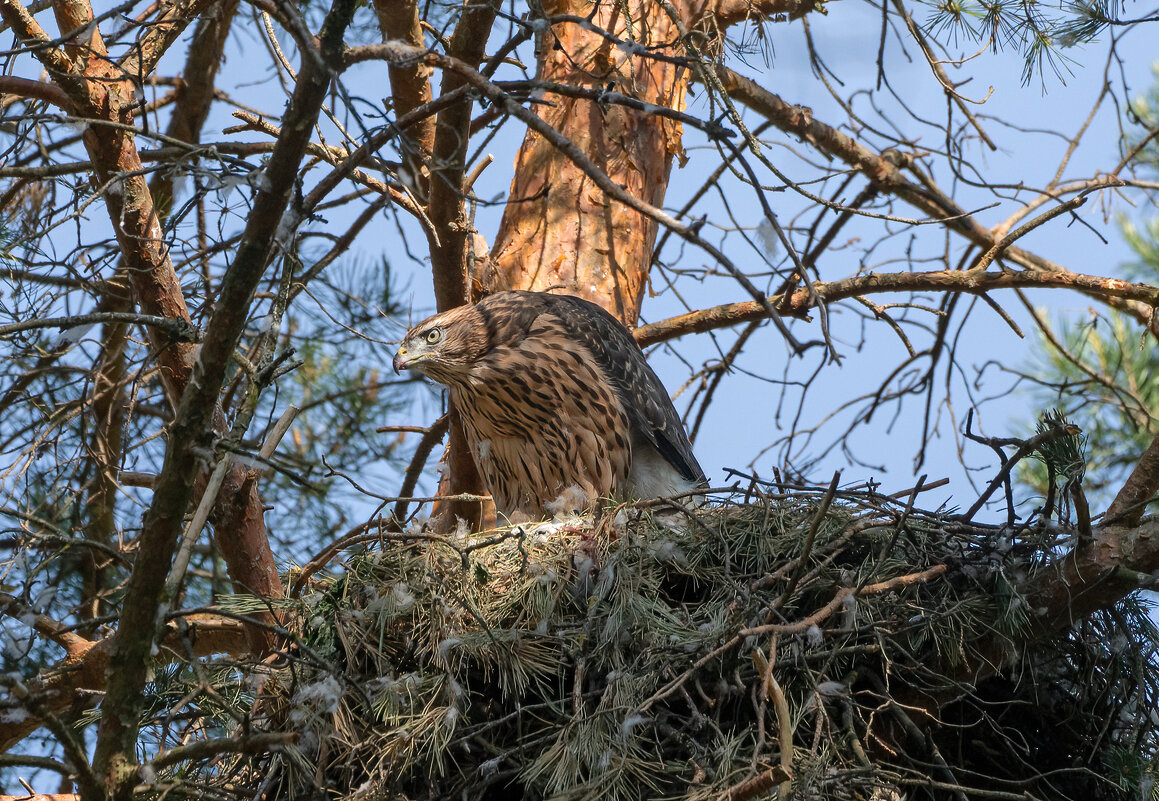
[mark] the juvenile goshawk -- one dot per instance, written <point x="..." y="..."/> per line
<point x="557" y="402"/>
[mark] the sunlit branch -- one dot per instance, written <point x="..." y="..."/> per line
<point x="496" y="95"/>
<point x="973" y="282"/>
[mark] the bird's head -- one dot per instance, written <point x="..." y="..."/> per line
<point x="444" y="347"/>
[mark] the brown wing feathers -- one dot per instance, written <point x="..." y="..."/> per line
<point x="646" y="402"/>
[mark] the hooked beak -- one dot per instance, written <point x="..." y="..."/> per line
<point x="400" y="361"/>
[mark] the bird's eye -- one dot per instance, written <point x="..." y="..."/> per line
<point x="434" y="335"/>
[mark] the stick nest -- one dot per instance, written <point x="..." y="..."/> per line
<point x="776" y="642"/>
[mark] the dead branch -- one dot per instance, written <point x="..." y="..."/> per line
<point x="754" y="786"/>
<point x="70" y="641"/>
<point x="1025" y="449"/>
<point x="431" y="437"/>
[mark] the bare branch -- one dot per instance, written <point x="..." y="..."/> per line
<point x="28" y="29"/>
<point x="179" y="329"/>
<point x="446" y="206"/>
<point x="972" y="282"/>
<point x="410" y="84"/>
<point x="37" y="90"/>
<point x="70" y="641"/>
<point x="884" y="172"/>
<point x="192" y="427"/>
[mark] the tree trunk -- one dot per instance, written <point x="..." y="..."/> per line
<point x="559" y="230"/>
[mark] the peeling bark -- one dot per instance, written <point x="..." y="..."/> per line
<point x="1131" y="501"/>
<point x="560" y="230"/>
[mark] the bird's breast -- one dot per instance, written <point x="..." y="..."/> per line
<point x="542" y="433"/>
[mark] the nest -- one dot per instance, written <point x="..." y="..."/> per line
<point x="766" y="643"/>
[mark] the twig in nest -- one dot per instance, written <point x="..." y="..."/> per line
<point x="1025" y="448"/>
<point x="755" y="785"/>
<point x="822" y="510"/>
<point x="901" y="521"/>
<point x="918" y="736"/>
<point x="839" y="598"/>
<point x="771" y="688"/>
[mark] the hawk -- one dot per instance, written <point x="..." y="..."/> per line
<point x="558" y="404"/>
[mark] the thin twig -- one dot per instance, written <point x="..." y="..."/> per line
<point x="179" y="329"/>
<point x="814" y="526"/>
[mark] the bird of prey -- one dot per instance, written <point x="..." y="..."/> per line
<point x="558" y="404"/>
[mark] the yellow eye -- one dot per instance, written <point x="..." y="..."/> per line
<point x="434" y="335"/>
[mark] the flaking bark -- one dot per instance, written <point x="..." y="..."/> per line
<point x="561" y="231"/>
